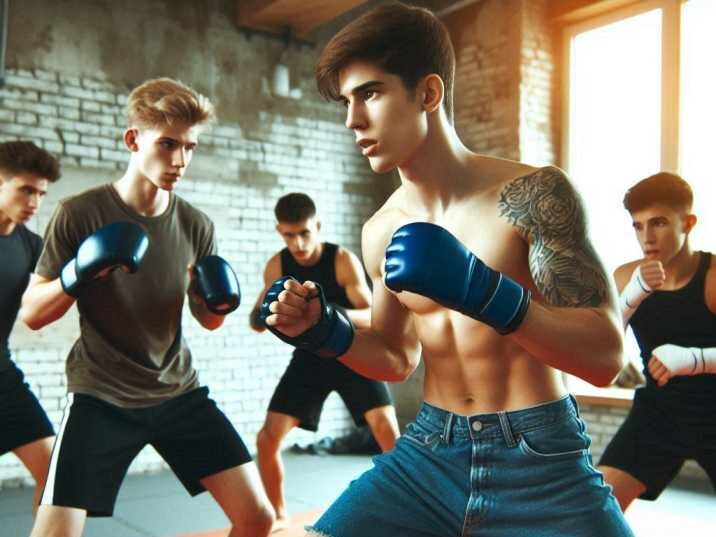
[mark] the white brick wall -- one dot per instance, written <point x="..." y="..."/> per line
<point x="236" y="177"/>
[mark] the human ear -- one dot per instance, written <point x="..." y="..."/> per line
<point x="689" y="222"/>
<point x="130" y="139"/>
<point x="433" y="92"/>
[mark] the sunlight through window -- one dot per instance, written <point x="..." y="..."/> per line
<point x="698" y="113"/>
<point x="615" y="124"/>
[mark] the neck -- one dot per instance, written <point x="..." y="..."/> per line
<point x="141" y="194"/>
<point x="315" y="256"/>
<point x="7" y="226"/>
<point x="682" y="265"/>
<point x="439" y="170"/>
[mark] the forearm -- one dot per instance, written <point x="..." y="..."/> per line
<point x="585" y="342"/>
<point x="206" y="318"/>
<point x="372" y="357"/>
<point x="359" y="317"/>
<point x="255" y="321"/>
<point x="44" y="303"/>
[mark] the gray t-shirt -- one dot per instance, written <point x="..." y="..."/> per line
<point x="131" y="352"/>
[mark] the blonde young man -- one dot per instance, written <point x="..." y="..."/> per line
<point x="498" y="448"/>
<point x="309" y="379"/>
<point x="25" y="174"/>
<point x="130" y="376"/>
<point x="669" y="299"/>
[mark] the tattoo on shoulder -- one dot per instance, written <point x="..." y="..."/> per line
<point x="548" y="212"/>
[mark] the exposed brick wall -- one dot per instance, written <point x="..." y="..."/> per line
<point x="486" y="37"/>
<point x="537" y="103"/>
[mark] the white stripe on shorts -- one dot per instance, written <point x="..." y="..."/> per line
<point x="48" y="493"/>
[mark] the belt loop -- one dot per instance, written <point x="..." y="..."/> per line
<point x="506" y="429"/>
<point x="446" y="429"/>
<point x="574" y="403"/>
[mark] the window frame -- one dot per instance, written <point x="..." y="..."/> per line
<point x="670" y="73"/>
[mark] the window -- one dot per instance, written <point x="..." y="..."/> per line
<point x="640" y="99"/>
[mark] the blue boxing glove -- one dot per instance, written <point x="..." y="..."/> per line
<point x="116" y="245"/>
<point x="429" y="260"/>
<point x="331" y="337"/>
<point x="217" y="285"/>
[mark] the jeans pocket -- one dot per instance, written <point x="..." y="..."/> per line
<point x="563" y="441"/>
<point x="417" y="434"/>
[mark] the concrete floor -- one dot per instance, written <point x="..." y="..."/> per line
<point x="156" y="505"/>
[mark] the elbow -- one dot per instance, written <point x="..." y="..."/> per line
<point x="605" y="378"/>
<point x="32" y="321"/>
<point x="403" y="368"/>
<point x="611" y="360"/>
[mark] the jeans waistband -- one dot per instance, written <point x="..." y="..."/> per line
<point x="505" y="424"/>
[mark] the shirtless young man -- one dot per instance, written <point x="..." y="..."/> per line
<point x="498" y="447"/>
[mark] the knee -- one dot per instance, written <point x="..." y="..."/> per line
<point x="267" y="440"/>
<point x="385" y="424"/>
<point x="259" y="522"/>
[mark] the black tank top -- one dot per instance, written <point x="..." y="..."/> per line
<point x="679" y="317"/>
<point x="322" y="272"/>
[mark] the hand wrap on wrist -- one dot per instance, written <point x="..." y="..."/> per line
<point x="331" y="337"/>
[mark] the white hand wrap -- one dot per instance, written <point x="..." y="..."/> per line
<point x="633" y="294"/>
<point x="686" y="360"/>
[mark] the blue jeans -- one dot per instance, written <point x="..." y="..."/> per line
<point x="525" y="473"/>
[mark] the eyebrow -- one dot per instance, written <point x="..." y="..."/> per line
<point x="364" y="86"/>
<point x="652" y="220"/>
<point x="169" y="138"/>
<point x="35" y="189"/>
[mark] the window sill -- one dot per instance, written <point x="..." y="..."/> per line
<point x="587" y="394"/>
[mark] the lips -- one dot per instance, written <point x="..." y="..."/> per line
<point x="368" y="146"/>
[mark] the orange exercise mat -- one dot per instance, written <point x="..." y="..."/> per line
<point x="294" y="529"/>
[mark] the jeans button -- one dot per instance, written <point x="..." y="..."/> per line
<point x="477" y="426"/>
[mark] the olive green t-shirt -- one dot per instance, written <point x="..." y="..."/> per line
<point x="131" y="351"/>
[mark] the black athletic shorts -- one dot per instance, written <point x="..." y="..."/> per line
<point x="97" y="441"/>
<point x="655" y="440"/>
<point x="22" y="419"/>
<point x="309" y="379"/>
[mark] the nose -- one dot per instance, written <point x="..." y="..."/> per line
<point x="180" y="158"/>
<point x="649" y="234"/>
<point x="354" y="119"/>
<point x="34" y="201"/>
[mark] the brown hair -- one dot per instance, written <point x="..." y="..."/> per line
<point x="294" y="207"/>
<point x="24" y="156"/>
<point x="409" y="42"/>
<point x="666" y="188"/>
<point x="163" y="101"/>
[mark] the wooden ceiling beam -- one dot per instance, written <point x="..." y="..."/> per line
<point x="576" y="10"/>
<point x="300" y="16"/>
